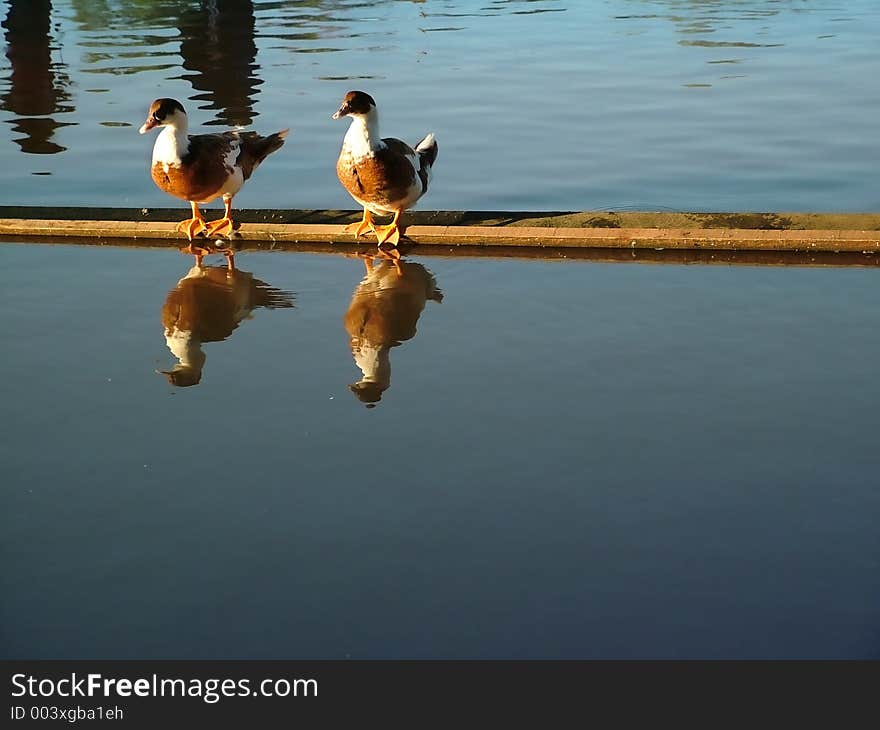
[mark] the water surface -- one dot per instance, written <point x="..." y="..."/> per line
<point x="565" y="459"/>
<point x="537" y="104"/>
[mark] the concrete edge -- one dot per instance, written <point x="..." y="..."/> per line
<point x="659" y="255"/>
<point x="861" y="241"/>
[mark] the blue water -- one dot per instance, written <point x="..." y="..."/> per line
<point x="478" y="457"/>
<point x="570" y="459"/>
<point x="537" y="105"/>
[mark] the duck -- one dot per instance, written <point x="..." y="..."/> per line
<point x="385" y="308"/>
<point x="200" y="168"/>
<point x="384" y="175"/>
<point x="207" y="305"/>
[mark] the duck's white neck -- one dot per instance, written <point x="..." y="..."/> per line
<point x="362" y="138"/>
<point x="171" y="144"/>
<point x="185" y="348"/>
<point x="374" y="362"/>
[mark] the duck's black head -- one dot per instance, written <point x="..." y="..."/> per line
<point x="355" y="103"/>
<point x="162" y="112"/>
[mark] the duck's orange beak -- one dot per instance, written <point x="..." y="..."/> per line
<point x="341" y="111"/>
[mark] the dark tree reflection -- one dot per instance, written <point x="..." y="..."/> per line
<point x="37" y="86"/>
<point x="219" y="51"/>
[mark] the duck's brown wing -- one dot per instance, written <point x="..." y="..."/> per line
<point x="211" y="158"/>
<point x="204" y="168"/>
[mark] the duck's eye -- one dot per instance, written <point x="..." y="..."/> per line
<point x="156" y="118"/>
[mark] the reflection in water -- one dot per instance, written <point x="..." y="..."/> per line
<point x="649" y="110"/>
<point x="497" y="7"/>
<point x="704" y="17"/>
<point x="206" y="306"/>
<point x="218" y="49"/>
<point x="383" y="313"/>
<point x="37" y="86"/>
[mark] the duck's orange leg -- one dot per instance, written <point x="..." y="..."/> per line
<point x="390" y="233"/>
<point x="225" y="225"/>
<point x="192" y="226"/>
<point x="362" y="226"/>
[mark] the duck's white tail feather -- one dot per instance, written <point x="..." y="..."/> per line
<point x="427" y="152"/>
<point x="427" y="149"/>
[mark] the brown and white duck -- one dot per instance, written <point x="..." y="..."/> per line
<point x="385" y="176"/>
<point x="200" y="168"/>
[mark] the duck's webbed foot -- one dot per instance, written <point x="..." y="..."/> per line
<point x="225" y="226"/>
<point x="390" y="233"/>
<point x="365" y="225"/>
<point x="192" y="227"/>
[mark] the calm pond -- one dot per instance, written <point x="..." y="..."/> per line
<point x="476" y="458"/>
<point x="568" y="459"/>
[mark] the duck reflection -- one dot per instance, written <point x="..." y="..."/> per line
<point x="207" y="305"/>
<point x="218" y="49"/>
<point x="383" y="313"/>
<point x="37" y="86"/>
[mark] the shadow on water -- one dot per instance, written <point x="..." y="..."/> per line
<point x="383" y="313"/>
<point x="219" y="51"/>
<point x="207" y="305"/>
<point x="38" y="87"/>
